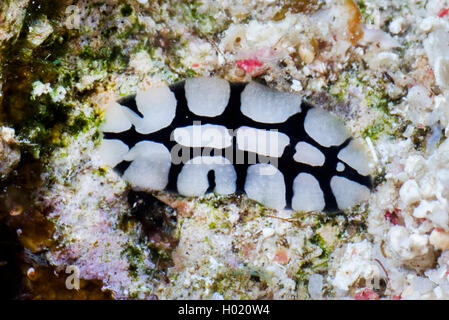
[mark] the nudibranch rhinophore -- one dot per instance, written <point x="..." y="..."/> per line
<point x="209" y="135"/>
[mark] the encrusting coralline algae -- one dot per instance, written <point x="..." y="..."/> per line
<point x="381" y="66"/>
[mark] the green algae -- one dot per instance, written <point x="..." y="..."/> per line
<point x="126" y="10"/>
<point x="374" y="95"/>
<point x="373" y="91"/>
<point x="42" y="122"/>
<point x="39" y="120"/>
<point x="201" y="21"/>
<point x="241" y="281"/>
<point x="419" y="138"/>
<point x="367" y="17"/>
<point x="377" y="128"/>
<point x="297" y="6"/>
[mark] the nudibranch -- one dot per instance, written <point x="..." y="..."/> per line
<point x="209" y="135"/>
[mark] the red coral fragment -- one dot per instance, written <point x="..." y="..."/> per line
<point x="366" y="294"/>
<point x="249" y="65"/>
<point x="392" y="216"/>
<point x="281" y="256"/>
<point x="443" y="12"/>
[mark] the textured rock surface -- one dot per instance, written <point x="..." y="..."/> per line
<point x="380" y="67"/>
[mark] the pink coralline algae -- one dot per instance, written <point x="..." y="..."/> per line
<point x="249" y="65"/>
<point x="392" y="217"/>
<point x="366" y="294"/>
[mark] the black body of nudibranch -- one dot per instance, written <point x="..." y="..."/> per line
<point x="206" y="134"/>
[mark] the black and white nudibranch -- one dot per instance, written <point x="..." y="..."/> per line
<point x="208" y="135"/>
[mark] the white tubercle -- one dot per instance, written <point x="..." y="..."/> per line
<point x="115" y="119"/>
<point x="208" y="135"/>
<point x="207" y="96"/>
<point x="325" y="128"/>
<point x="193" y="180"/>
<point x="348" y="193"/>
<point x="265" y="184"/>
<point x="340" y="167"/>
<point x="158" y="106"/>
<point x="112" y="151"/>
<point x="150" y="166"/>
<point x="442" y="72"/>
<point x="356" y="157"/>
<point x="262" y="104"/>
<point x="264" y="142"/>
<point x="308" y="154"/>
<point x="307" y="194"/>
